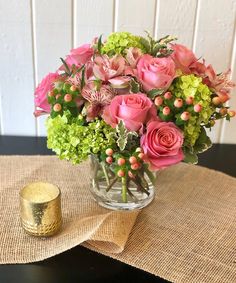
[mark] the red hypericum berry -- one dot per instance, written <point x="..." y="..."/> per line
<point x="109" y="151"/>
<point x="189" y="100"/>
<point x="121" y="173"/>
<point x="185" y="116"/>
<point x="158" y="101"/>
<point x="73" y="88"/>
<point x="51" y="93"/>
<point x="132" y="159"/>
<point x="68" y="97"/>
<point x="231" y="113"/>
<point x="168" y="95"/>
<point x="166" y="111"/>
<point x="131" y="175"/>
<point x="216" y="100"/>
<point x="121" y="161"/>
<point x="223" y="111"/>
<point x="135" y="166"/>
<point x="57" y="107"/>
<point x="109" y="159"/>
<point x="141" y="155"/>
<point x="58" y="95"/>
<point x="197" y="108"/>
<point x="178" y="103"/>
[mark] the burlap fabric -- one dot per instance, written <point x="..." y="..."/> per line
<point x="188" y="234"/>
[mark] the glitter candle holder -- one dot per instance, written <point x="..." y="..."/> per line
<point x="40" y="209"/>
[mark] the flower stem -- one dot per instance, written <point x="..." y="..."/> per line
<point x="111" y="184"/>
<point x="124" y="188"/>
<point x="106" y="174"/>
<point x="150" y="176"/>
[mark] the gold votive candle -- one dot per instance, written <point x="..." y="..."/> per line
<point x="40" y="209"/>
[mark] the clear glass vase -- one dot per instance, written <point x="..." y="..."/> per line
<point x="118" y="193"/>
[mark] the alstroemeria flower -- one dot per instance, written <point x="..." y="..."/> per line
<point x="106" y="68"/>
<point x="98" y="96"/>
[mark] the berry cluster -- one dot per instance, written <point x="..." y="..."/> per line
<point x="125" y="163"/>
<point x="62" y="98"/>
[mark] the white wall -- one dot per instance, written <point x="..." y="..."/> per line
<point x="34" y="34"/>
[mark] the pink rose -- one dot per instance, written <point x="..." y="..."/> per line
<point x="79" y="56"/>
<point x="155" y="72"/>
<point x="183" y="57"/>
<point x="106" y="68"/>
<point x="41" y="92"/>
<point x="134" y="109"/>
<point x="162" y="144"/>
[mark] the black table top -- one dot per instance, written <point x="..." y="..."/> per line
<point x="80" y="264"/>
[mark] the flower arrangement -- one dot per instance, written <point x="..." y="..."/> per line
<point x="135" y="104"/>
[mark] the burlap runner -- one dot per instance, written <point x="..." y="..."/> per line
<point x="186" y="235"/>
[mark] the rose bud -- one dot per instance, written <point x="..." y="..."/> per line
<point x="132" y="159"/>
<point x="231" y="113"/>
<point x="185" y="116"/>
<point x="168" y="95"/>
<point x="223" y="111"/>
<point x="121" y="161"/>
<point x="109" y="159"/>
<point x="166" y="111"/>
<point x="216" y="100"/>
<point x="121" y="173"/>
<point x="73" y="88"/>
<point x="189" y="100"/>
<point x="178" y="103"/>
<point x="197" y="108"/>
<point x="109" y="151"/>
<point x="58" y="96"/>
<point x="57" y="107"/>
<point x="158" y="101"/>
<point x="68" y="97"/>
<point x="135" y="166"/>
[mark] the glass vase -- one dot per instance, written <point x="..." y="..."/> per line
<point x="120" y="193"/>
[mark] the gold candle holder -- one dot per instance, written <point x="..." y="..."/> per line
<point x="40" y="209"/>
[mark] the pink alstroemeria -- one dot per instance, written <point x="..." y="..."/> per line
<point x="106" y="68"/>
<point x="220" y="83"/>
<point x="75" y="79"/>
<point x="98" y="98"/>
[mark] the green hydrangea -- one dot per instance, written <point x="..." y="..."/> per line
<point x="71" y="138"/>
<point x="190" y="85"/>
<point x="117" y="42"/>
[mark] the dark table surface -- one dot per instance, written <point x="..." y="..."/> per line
<point x="80" y="264"/>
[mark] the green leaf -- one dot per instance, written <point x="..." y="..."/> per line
<point x="203" y="142"/>
<point x="82" y="83"/>
<point x="146" y="44"/>
<point x="134" y="86"/>
<point x="100" y="44"/>
<point x="68" y="72"/>
<point x="122" y="135"/>
<point x="190" y="157"/>
<point x="154" y="92"/>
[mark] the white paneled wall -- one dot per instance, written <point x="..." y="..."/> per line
<point x="35" y="33"/>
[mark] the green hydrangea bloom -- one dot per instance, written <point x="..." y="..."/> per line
<point x="117" y="42"/>
<point x="190" y="85"/>
<point x="71" y="139"/>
